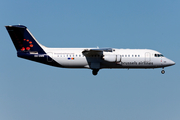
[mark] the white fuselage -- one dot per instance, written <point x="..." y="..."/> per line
<point x="118" y="58"/>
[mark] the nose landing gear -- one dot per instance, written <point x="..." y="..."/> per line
<point x="163" y="71"/>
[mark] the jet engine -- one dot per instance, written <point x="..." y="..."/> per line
<point x="112" y="58"/>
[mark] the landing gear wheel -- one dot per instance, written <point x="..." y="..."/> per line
<point x="162" y="71"/>
<point x="95" y="71"/>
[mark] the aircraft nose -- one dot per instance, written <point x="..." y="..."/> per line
<point x="170" y="62"/>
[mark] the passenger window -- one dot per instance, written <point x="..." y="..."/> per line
<point x="132" y="55"/>
<point x="128" y="55"/>
<point x="135" y="55"/>
<point x="125" y="55"/>
<point x="138" y="55"/>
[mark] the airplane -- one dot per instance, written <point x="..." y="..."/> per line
<point x="90" y="58"/>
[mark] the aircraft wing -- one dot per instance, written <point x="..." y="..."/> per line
<point x="96" y="51"/>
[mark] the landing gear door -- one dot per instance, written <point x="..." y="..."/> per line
<point x="95" y="65"/>
<point x="50" y="57"/>
<point x="147" y="57"/>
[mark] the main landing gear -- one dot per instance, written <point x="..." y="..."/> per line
<point x="95" y="71"/>
<point x="163" y="71"/>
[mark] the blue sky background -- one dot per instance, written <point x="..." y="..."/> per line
<point x="33" y="91"/>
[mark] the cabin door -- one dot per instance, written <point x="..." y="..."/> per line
<point x="49" y="56"/>
<point x="147" y="57"/>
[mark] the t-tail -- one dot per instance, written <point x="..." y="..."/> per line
<point x="27" y="46"/>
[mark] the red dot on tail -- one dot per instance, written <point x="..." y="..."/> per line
<point x="22" y="49"/>
<point x="27" y="48"/>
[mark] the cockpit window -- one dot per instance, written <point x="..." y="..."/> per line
<point x="158" y="55"/>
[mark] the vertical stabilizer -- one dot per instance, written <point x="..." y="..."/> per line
<point x="23" y="40"/>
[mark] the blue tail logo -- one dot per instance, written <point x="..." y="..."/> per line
<point x="23" y="40"/>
